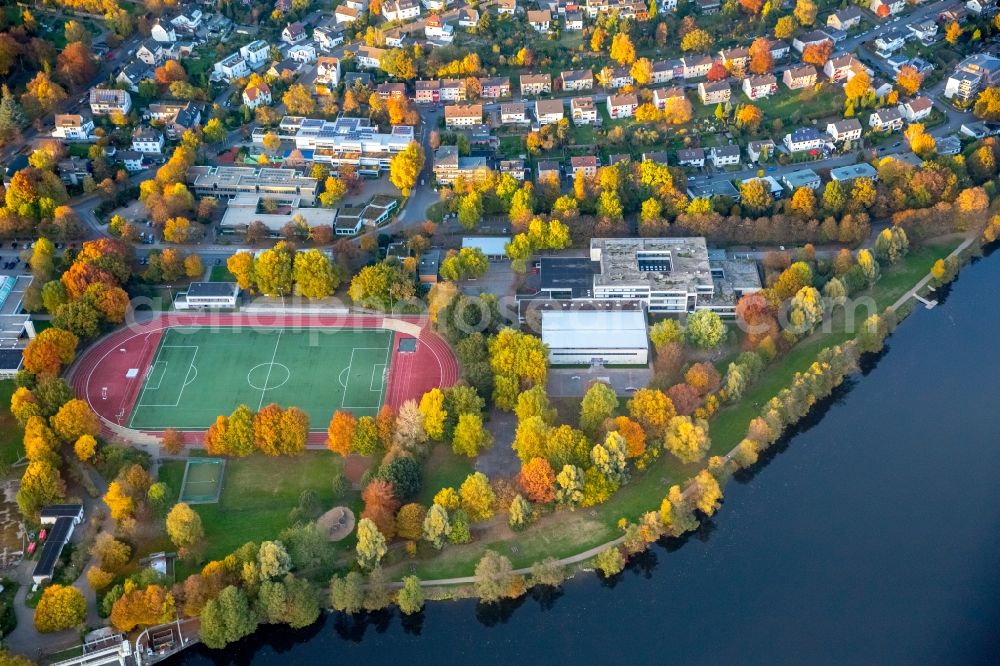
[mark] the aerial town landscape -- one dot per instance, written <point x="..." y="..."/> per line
<point x="341" y="312"/>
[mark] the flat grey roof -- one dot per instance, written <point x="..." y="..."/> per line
<point x="622" y="263"/>
<point x="203" y="289"/>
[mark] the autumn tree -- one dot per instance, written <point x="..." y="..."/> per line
<point x="75" y="64"/>
<point x="697" y="40"/>
<point x="41" y="484"/>
<point x="909" y="79"/>
<point x="314" y="274"/>
<point x="599" y="403"/>
<point x="227" y="618"/>
<point x="60" y="607"/>
<point x="410" y="597"/>
<point x="761" y="60"/>
<point x="477" y="497"/>
<point x="538" y="480"/>
<point x="805" y="12"/>
<point x="405" y="167"/>
<point x="858" y="87"/>
<point x="495" y="578"/>
<point x="519" y="361"/>
<point x="142" y="607"/>
<point x="410" y="521"/>
<point x="470" y="437"/>
<point x="749" y="116"/>
<point x="652" y="409"/>
<point x="298" y="100"/>
<point x="785" y="27"/>
<point x="817" y="53"/>
<point x="380" y="506"/>
<point x="184" y="526"/>
<point x="340" y="434"/>
<point x="687" y="438"/>
<point x="75" y="419"/>
<point x="622" y="51"/>
<point x="50" y="351"/>
<point x="705" y="329"/>
<point x="436" y="526"/>
<point x="371" y="546"/>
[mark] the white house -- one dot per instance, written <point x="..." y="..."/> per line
<point x="583" y="110"/>
<point x="714" y="92"/>
<point x="328" y="37"/>
<point x="133" y="74"/>
<point x="105" y="101"/>
<point x="257" y="95"/>
<point x="694" y="157"/>
<point x="468" y="17"/>
<point x="188" y="23"/>
<point x="758" y="87"/>
<point x="512" y="113"/>
<point x="370" y="57"/>
<point x="72" y="127"/>
<point x="540" y="20"/>
<point x="889" y="43"/>
<point x="508" y="7"/>
<point x="345" y="14"/>
<point x="233" y="66"/>
<point x="438" y="30"/>
<point x="463" y="115"/>
<point x="256" y="53"/>
<point x="549" y="111"/>
<point x="842" y="67"/>
<point x="400" y="10"/>
<point x="163" y="32"/>
<point x="888" y="119"/>
<point x="151" y="53"/>
<point x="806" y="138"/>
<point x="760" y="150"/>
<point x="848" y="129"/>
<point x="293" y="33"/>
<point x="916" y="109"/>
<point x="302" y="53"/>
<point x="883" y="8"/>
<point x="725" y="156"/>
<point x="132" y="160"/>
<point x="661" y="95"/>
<point x="328" y="71"/>
<point x="147" y="140"/>
<point x="622" y="106"/>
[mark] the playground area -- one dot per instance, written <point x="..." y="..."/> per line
<point x="202" y="482"/>
<point x="177" y="372"/>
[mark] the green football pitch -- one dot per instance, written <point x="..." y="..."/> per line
<point x="199" y="374"/>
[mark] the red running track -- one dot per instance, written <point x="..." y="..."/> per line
<point x="100" y="375"/>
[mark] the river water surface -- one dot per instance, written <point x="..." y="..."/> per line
<point x="870" y="536"/>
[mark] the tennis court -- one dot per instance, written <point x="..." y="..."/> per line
<point x="198" y="374"/>
<point x="202" y="483"/>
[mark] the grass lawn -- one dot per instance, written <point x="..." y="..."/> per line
<point x="443" y="469"/>
<point x="258" y="492"/>
<point x="806" y="103"/>
<point x="11" y="434"/>
<point x="222" y="274"/>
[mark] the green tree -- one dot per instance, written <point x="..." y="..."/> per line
<point x="705" y="329"/>
<point x="599" y="403"/>
<point x="609" y="561"/>
<point x="410" y="596"/>
<point x="609" y="458"/>
<point x="436" y="526"/>
<point x="470" y="210"/>
<point x="347" y="594"/>
<point x="569" y="485"/>
<point x="227" y="618"/>
<point x="665" y="332"/>
<point x="494" y="577"/>
<point x="184" y="526"/>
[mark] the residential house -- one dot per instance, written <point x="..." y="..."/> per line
<point x="151" y="52"/>
<point x="694" y="157"/>
<point x="616" y="78"/>
<point x="345" y="14"/>
<point x="981" y="7"/>
<point x="400" y="10"/>
<point x="714" y="92"/>
<point x="780" y="49"/>
<point x="548" y="170"/>
<point x="515" y="168"/>
<point x="132" y="160"/>
<point x="133" y="74"/>
<point x="883" y="8"/>
<point x="303" y="53"/>
<point x="841" y="68"/>
<point x="175" y="117"/>
<point x="978" y="71"/>
<point x="797" y="78"/>
<point x="328" y="37"/>
<point x="437" y="30"/>
<point x="926" y="31"/>
<point x="427" y="92"/>
<point x="585" y="164"/>
<point x="394" y="38"/>
<point x="163" y="31"/>
<point x="814" y="37"/>
<point x="256" y="53"/>
<point x="846" y="174"/>
<point x="661" y="95"/>
<point x="508" y="7"/>
<point x="536" y="84"/>
<point x="105" y="101"/>
<point x="286" y="70"/>
<point x="395" y="90"/>
<point x="622" y="106"/>
<point x="73" y="127"/>
<point x="657" y="157"/>
<point x="448" y="165"/>
<point x="494" y="87"/>
<point x="844" y="19"/>
<point x="664" y="70"/>
<point x="574" y="21"/>
<point x="888" y="43"/>
<point x="760" y="151"/>
<point x="328" y="71"/>
<point x="793" y="180"/>
<point x="735" y="59"/>
<point x="147" y="140"/>
<point x="806" y="138"/>
<point x="73" y="170"/>
<point x="723" y="156"/>
<point x="696" y="66"/>
<point x="370" y="57"/>
<point x="512" y="113"/>
<point x="463" y="115"/>
<point x="888" y="119"/>
<point x="549" y="111"/>
<point x="188" y="23"/>
<point x="583" y="111"/>
<point x="452" y="90"/>
<point x="294" y="33"/>
<point x="540" y="19"/>
<point x="577" y="79"/>
<point x="848" y="129"/>
<point x="759" y="87"/>
<point x="468" y="17"/>
<point x="435" y="5"/>
<point x="916" y="109"/>
<point x="708" y="6"/>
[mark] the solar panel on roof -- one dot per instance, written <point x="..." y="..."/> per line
<point x="53" y="547"/>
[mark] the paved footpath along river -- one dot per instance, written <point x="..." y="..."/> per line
<point x="871" y="536"/>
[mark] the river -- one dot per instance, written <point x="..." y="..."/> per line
<point x="871" y="535"/>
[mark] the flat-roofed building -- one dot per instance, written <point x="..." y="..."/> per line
<point x="59" y="520"/>
<point x="449" y="165"/>
<point x="576" y="337"/>
<point x="227" y="182"/>
<point x="494" y="247"/>
<point x="208" y="296"/>
<point x="246" y="209"/>
<point x="852" y="171"/>
<point x="793" y="180"/>
<point x="345" y="141"/>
